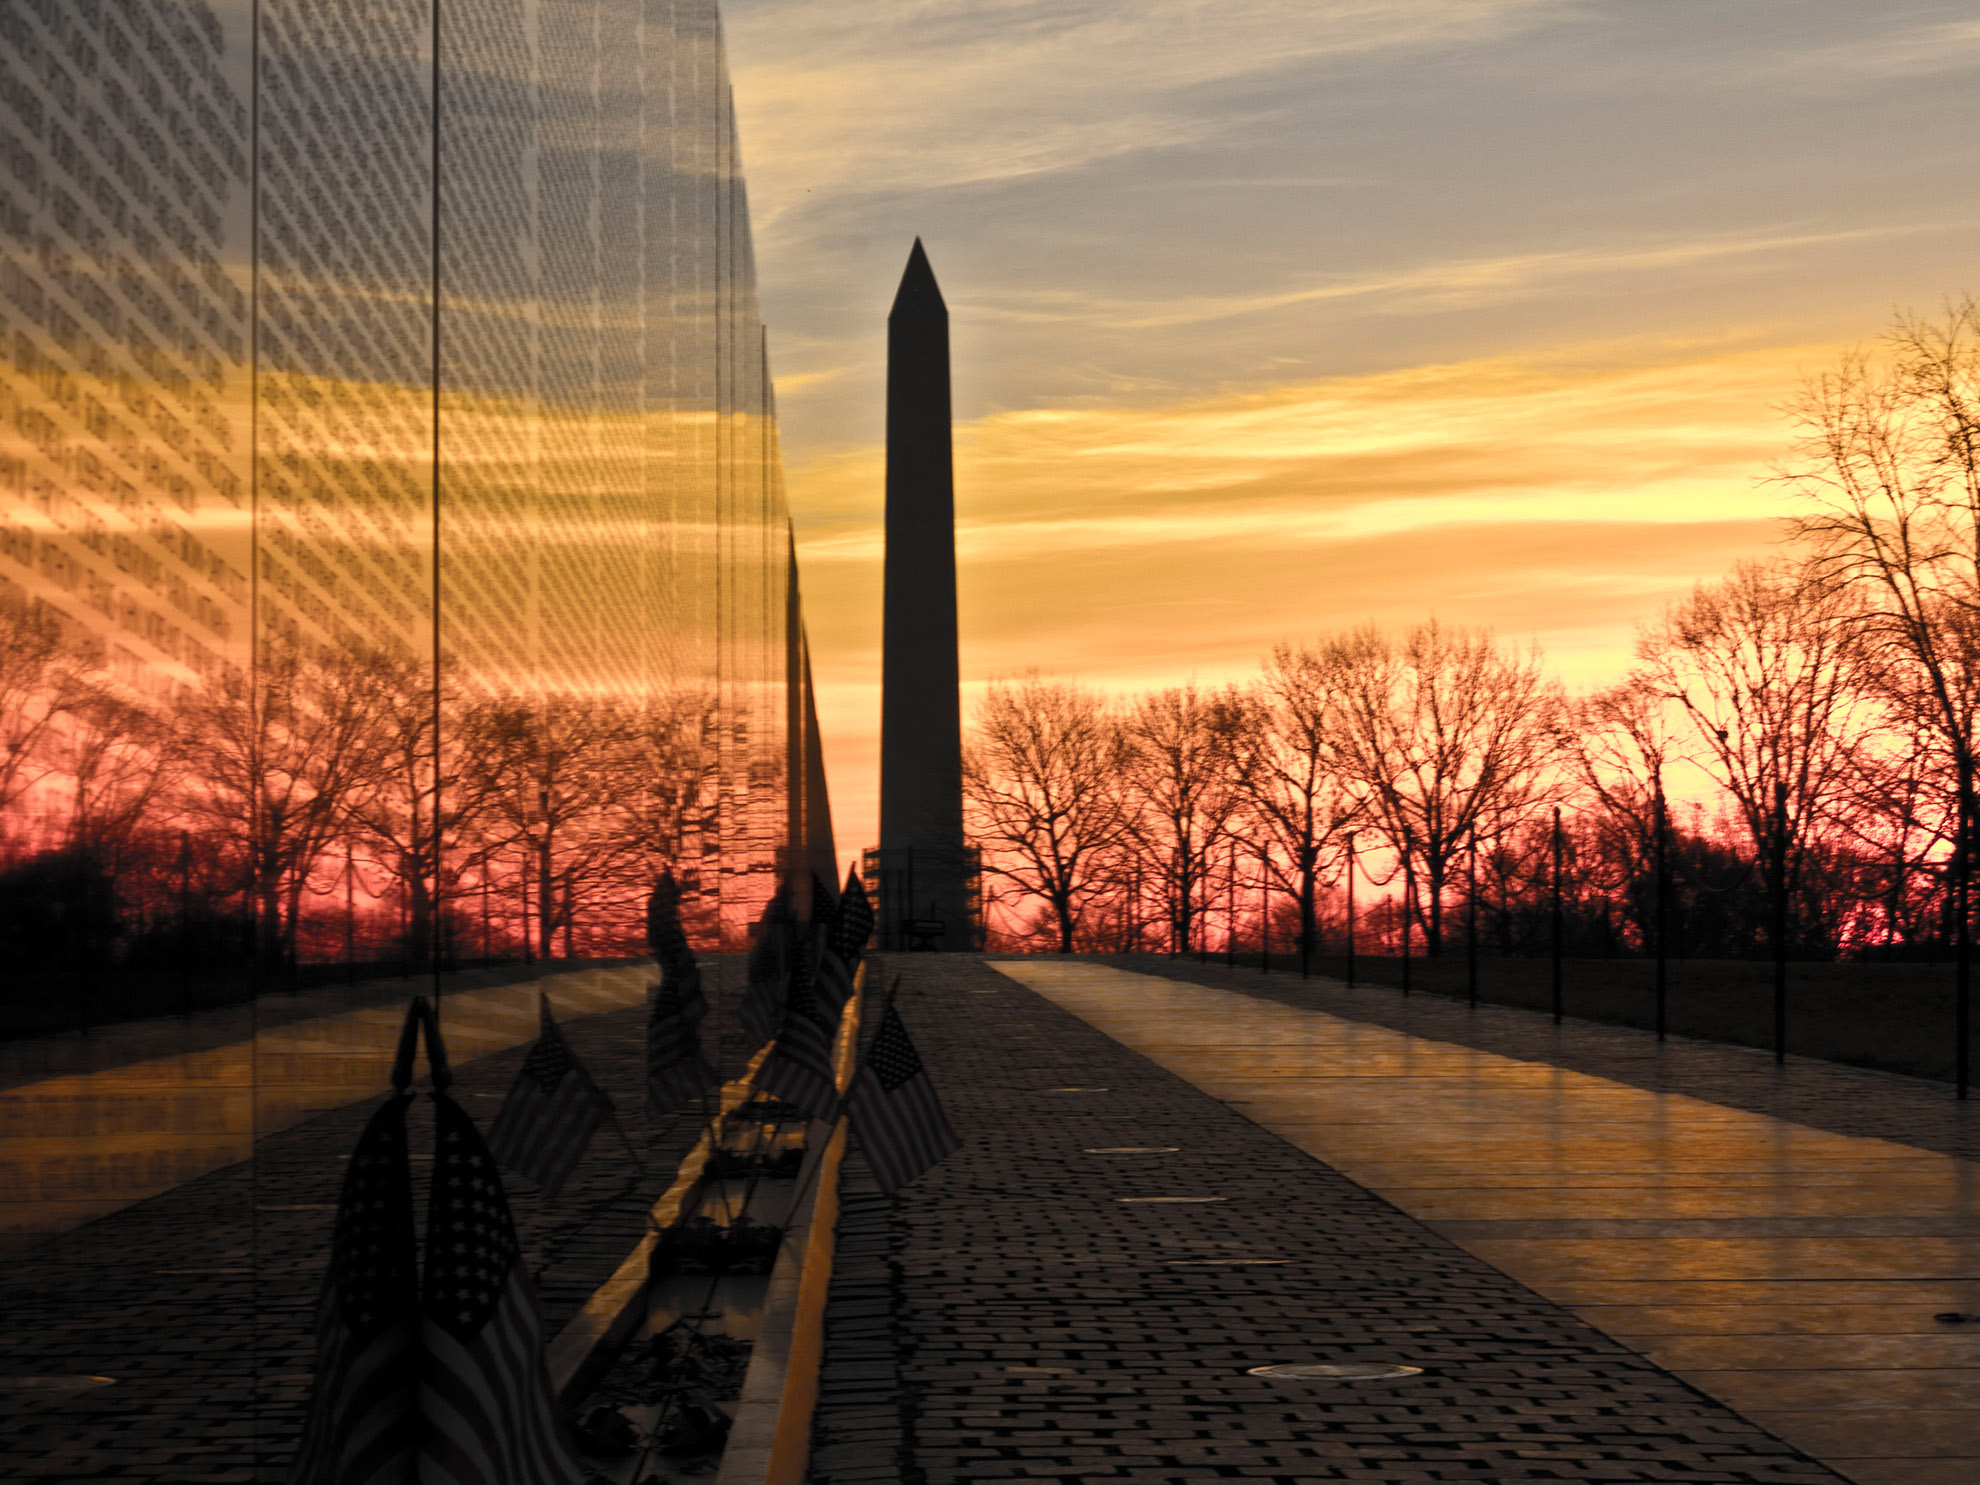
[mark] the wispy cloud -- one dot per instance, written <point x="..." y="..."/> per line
<point x="1902" y="48"/>
<point x="894" y="94"/>
<point x="1449" y="283"/>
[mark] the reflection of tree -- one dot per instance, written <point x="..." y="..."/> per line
<point x="666" y="804"/>
<point x="281" y="755"/>
<point x="561" y="773"/>
<point x="119" y="761"/>
<point x="312" y="781"/>
<point x="418" y="835"/>
<point x="42" y="680"/>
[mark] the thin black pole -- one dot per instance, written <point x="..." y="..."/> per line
<point x="1306" y="915"/>
<point x="1408" y="907"/>
<point x="433" y="905"/>
<point x="529" y="954"/>
<point x="1350" y="910"/>
<point x="1471" y="926"/>
<point x="1557" y="916"/>
<point x="1662" y="859"/>
<point x="1963" y="938"/>
<point x="1779" y="865"/>
<point x="185" y="922"/>
<point x="1199" y="921"/>
<point x="1264" y="914"/>
<point x="350" y="915"/>
<point x="1230" y="906"/>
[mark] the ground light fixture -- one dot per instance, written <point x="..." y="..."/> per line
<point x="1131" y="1149"/>
<point x="1222" y="1262"/>
<point x="1334" y="1371"/>
<point x="1171" y="1200"/>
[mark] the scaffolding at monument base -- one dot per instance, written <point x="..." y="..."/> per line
<point x="890" y="881"/>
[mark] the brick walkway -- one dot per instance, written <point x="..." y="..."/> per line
<point x="1009" y="1317"/>
<point x="192" y="1298"/>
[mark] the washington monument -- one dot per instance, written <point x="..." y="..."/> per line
<point x="923" y="864"/>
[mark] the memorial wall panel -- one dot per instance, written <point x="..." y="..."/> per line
<point x="395" y="575"/>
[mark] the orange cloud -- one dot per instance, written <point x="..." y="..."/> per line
<point x="1562" y="498"/>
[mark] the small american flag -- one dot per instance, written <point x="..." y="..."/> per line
<point x="894" y="1110"/>
<point x="845" y="940"/>
<point x="676" y="1072"/>
<point x="362" y="1427"/>
<point x="484" y="1391"/>
<point x="552" y="1110"/>
<point x="799" y="1067"/>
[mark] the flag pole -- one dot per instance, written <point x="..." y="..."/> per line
<point x="619" y="1129"/>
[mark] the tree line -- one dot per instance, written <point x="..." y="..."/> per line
<point x="304" y="811"/>
<point x="1792" y="752"/>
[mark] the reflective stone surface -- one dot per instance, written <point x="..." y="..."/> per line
<point x="395" y="573"/>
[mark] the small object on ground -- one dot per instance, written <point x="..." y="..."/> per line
<point x="699" y="1426"/>
<point x="1335" y="1371"/>
<point x="607" y="1433"/>
<point x="1953" y="1317"/>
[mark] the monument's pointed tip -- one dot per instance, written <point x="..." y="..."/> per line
<point x="918" y="292"/>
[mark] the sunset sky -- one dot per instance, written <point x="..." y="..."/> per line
<point x="1272" y="317"/>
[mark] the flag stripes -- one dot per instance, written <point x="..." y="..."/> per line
<point x="484" y="1390"/>
<point x="894" y="1110"/>
<point x="676" y="1071"/>
<point x="362" y="1420"/>
<point x="846" y="931"/>
<point x="551" y="1113"/>
<point x="799" y="1067"/>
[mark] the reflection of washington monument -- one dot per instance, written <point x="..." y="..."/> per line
<point x="924" y="868"/>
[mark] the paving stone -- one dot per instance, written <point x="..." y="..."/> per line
<point x="1014" y="1256"/>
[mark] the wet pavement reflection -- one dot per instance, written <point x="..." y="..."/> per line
<point x="1795" y="1274"/>
<point x="137" y="1117"/>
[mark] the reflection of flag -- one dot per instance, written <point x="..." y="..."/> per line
<point x="485" y="1390"/>
<point x="361" y="1426"/>
<point x="685" y="981"/>
<point x="845" y="940"/>
<point x="676" y="1072"/>
<point x="552" y="1110"/>
<point x="667" y="938"/>
<point x="894" y="1109"/>
<point x="769" y="965"/>
<point x="799" y="1067"/>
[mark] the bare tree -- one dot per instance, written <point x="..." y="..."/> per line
<point x="1621" y="748"/>
<point x="1182" y="792"/>
<point x="1888" y="462"/>
<point x="1042" y="780"/>
<point x="1286" y="750"/>
<point x="1764" y="667"/>
<point x="1442" y="733"/>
